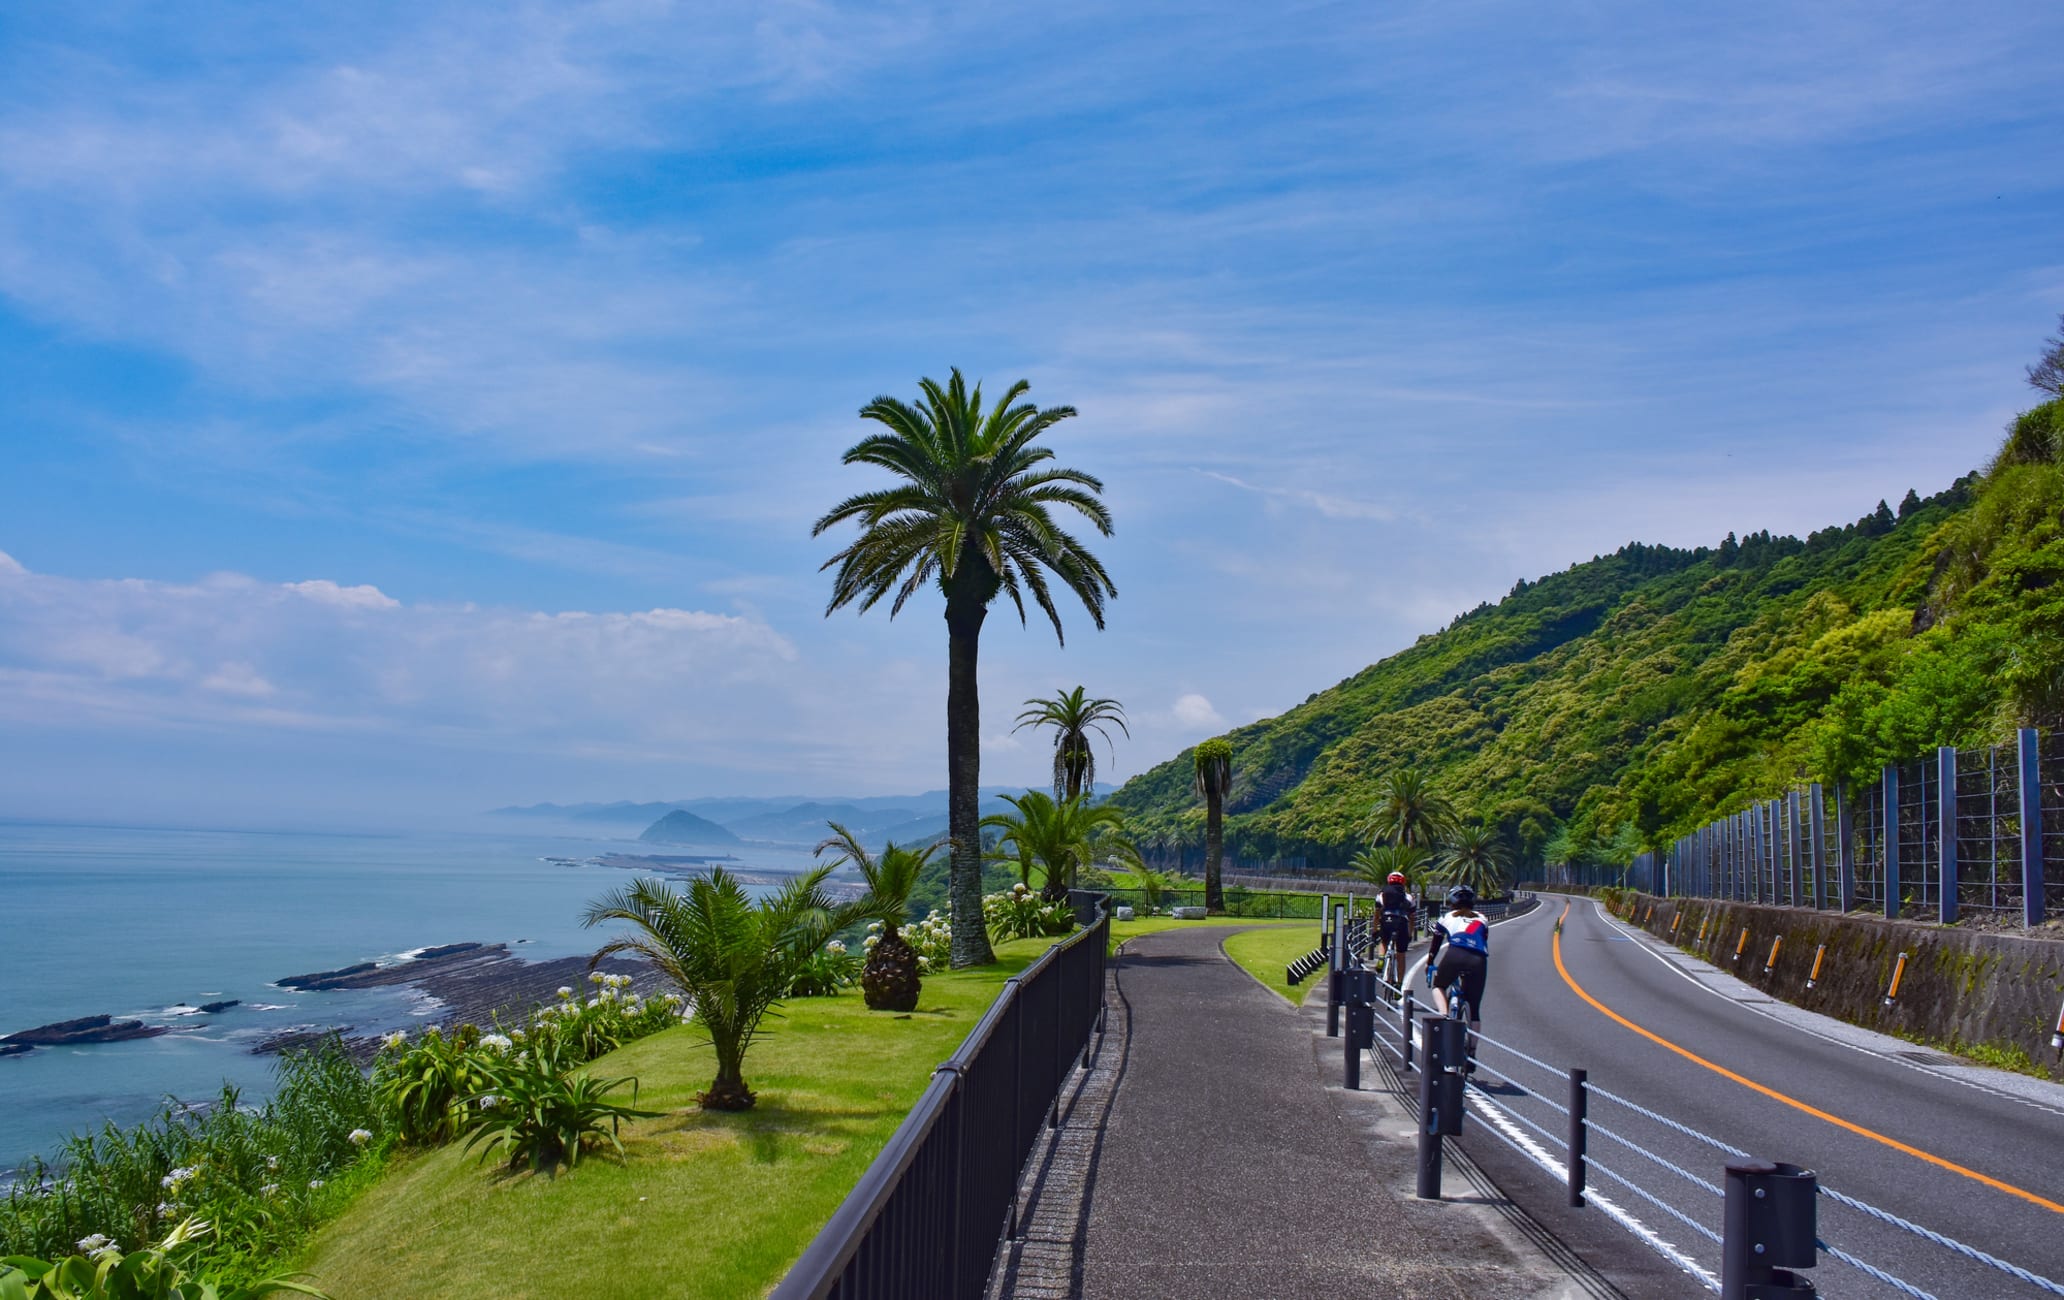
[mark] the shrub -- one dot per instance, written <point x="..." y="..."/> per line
<point x="1018" y="913"/>
<point x="98" y="1270"/>
<point x="826" y="971"/>
<point x="932" y="940"/>
<point x="543" y="1112"/>
<point x="420" y="1083"/>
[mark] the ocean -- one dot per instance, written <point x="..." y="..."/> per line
<point x="147" y="924"/>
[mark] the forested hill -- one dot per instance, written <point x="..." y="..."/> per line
<point x="1628" y="699"/>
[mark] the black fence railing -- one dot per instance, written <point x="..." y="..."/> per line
<point x="926" y="1217"/>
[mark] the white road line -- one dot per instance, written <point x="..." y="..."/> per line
<point x="1651" y="945"/>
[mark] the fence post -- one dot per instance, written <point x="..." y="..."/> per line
<point x="1816" y="833"/>
<point x="1845" y="849"/>
<point x="1579" y="1137"/>
<point x="1945" y="832"/>
<point x="2029" y="774"/>
<point x="1889" y="853"/>
<point x="1428" y="1188"/>
<point x="1772" y="1226"/>
<point x="1325" y="920"/>
<point x="1337" y="972"/>
<point x="1791" y="852"/>
<point x="1406" y="1011"/>
<point x="1361" y="1017"/>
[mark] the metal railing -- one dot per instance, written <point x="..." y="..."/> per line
<point x="926" y="1217"/>
<point x="1970" y="830"/>
<point x="1551" y="1117"/>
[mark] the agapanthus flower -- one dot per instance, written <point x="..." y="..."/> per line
<point x="87" y="1245"/>
<point x="496" y="1042"/>
<point x="315" y="1184"/>
<point x="565" y="992"/>
<point x="269" y="1190"/>
<point x="397" y="1038"/>
<point x="358" y="1137"/>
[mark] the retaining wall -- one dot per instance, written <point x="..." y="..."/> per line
<point x="1995" y="996"/>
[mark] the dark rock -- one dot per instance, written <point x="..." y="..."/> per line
<point x="210" y="1008"/>
<point x="324" y="979"/>
<point x="300" y="1036"/>
<point x="86" y="1029"/>
<point x="16" y="1049"/>
<point x="447" y="950"/>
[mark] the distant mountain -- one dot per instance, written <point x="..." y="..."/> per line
<point x="805" y="823"/>
<point x="790" y="819"/>
<point x="683" y="827"/>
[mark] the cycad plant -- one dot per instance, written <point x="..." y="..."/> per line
<point x="1214" y="776"/>
<point x="1376" y="863"/>
<point x="732" y="958"/>
<point x="889" y="980"/>
<point x="973" y="514"/>
<point x="1061" y="838"/>
<point x="1073" y="716"/>
<point x="1475" y="857"/>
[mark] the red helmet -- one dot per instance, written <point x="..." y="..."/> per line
<point x="1396" y="878"/>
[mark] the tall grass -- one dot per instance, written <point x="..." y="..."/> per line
<point x="261" y="1176"/>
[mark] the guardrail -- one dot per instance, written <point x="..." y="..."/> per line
<point x="1770" y="1212"/>
<point x="926" y="1217"/>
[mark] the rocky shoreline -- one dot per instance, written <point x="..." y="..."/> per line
<point x="85" y="1029"/>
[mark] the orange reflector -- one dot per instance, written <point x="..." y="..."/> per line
<point x="1771" y="961"/>
<point x="1819" y="955"/>
<point x="1741" y="947"/>
<point x="1898" y="973"/>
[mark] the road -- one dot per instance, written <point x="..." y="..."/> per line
<point x="1879" y="1120"/>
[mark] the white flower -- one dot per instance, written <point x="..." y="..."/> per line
<point x="488" y="1101"/>
<point x="924" y="963"/>
<point x="315" y="1184"/>
<point x="178" y="1177"/>
<point x="873" y="926"/>
<point x="87" y="1245"/>
<point x="496" y="1042"/>
<point x="1019" y="888"/>
<point x="272" y="1162"/>
<point x="269" y="1190"/>
<point x="358" y="1137"/>
<point x="515" y="1035"/>
<point x="166" y="1209"/>
<point x="565" y="992"/>
<point x="397" y="1038"/>
<point x="835" y="946"/>
<point x="596" y="977"/>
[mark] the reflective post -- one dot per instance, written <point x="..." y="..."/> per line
<point x="1579" y="1139"/>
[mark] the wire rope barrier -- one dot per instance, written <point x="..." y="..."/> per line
<point x="1948" y="1243"/>
<point x="1898" y="1284"/>
<point x="1646" y="1154"/>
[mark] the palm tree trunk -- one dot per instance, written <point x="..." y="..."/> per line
<point x="964" y="782"/>
<point x="1214" y="852"/>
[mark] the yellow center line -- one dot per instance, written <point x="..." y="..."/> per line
<point x="1775" y="1095"/>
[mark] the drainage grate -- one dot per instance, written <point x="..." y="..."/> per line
<point x="1925" y="1058"/>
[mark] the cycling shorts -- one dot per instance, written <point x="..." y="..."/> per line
<point x="1460" y="965"/>
<point x="1396" y="931"/>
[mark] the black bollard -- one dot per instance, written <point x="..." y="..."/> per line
<point x="1579" y="1139"/>
<point x="1429" y="1117"/>
<point x="1407" y="1011"/>
<point x="1772" y="1226"/>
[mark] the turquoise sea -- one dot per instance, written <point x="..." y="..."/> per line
<point x="142" y="924"/>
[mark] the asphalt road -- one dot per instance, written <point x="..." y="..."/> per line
<point x="2011" y="1135"/>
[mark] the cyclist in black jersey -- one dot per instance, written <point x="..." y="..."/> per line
<point x="1395" y="917"/>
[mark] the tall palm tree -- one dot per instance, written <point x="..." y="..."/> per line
<point x="889" y="980"/>
<point x="1214" y="776"/>
<point x="1410" y="811"/>
<point x="1061" y="837"/>
<point x="1475" y="857"/>
<point x="973" y="514"/>
<point x="1073" y="716"/>
<point x="731" y="958"/>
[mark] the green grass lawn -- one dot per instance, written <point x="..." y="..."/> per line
<point x="1123" y="930"/>
<point x="706" y="1206"/>
<point x="1264" y="953"/>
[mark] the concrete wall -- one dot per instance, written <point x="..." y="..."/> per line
<point x="1992" y="995"/>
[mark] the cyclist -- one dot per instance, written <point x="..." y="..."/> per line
<point x="1461" y="953"/>
<point x="1396" y="918"/>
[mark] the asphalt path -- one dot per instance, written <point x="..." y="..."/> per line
<point x="2010" y="1145"/>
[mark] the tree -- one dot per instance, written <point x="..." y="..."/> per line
<point x="1060" y="837"/>
<point x="1073" y="717"/>
<point x="1214" y="776"/>
<point x="1410" y="811"/>
<point x="889" y="979"/>
<point x="2047" y="374"/>
<point x="733" y="959"/>
<point x="1375" y="864"/>
<point x="1475" y="857"/>
<point x="973" y="514"/>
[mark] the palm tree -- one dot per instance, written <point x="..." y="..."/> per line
<point x="1475" y="857"/>
<point x="972" y="514"/>
<point x="1060" y="837"/>
<point x="1375" y="864"/>
<point x="1072" y="715"/>
<point x="889" y="980"/>
<point x="1214" y="776"/>
<point x="1409" y="811"/>
<point x="731" y="958"/>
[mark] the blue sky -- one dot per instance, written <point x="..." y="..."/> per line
<point x="414" y="408"/>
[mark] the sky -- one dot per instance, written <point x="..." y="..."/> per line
<point x="411" y="409"/>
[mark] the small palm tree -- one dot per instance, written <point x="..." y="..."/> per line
<point x="889" y="981"/>
<point x="1059" y="837"/>
<point x="732" y="958"/>
<point x="973" y="514"/>
<point x="1073" y="716"/>
<point x="1409" y="811"/>
<point x="1375" y="864"/>
<point x="1214" y="776"/>
<point x="1475" y="857"/>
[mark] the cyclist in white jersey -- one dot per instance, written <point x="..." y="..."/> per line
<point x="1460" y="953"/>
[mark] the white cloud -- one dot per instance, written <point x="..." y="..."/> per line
<point x="1195" y="713"/>
<point x="325" y="592"/>
<point x="9" y="565"/>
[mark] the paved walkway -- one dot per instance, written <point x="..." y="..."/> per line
<point x="1211" y="1151"/>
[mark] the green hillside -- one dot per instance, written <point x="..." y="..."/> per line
<point x="1628" y="699"/>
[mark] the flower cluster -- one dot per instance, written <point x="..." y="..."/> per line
<point x="932" y="938"/>
<point x="826" y="971"/>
